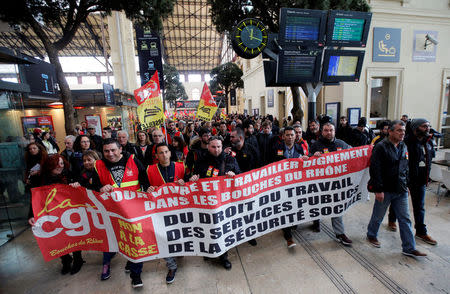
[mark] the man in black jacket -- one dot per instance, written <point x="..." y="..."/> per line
<point x="388" y="180"/>
<point x="328" y="143"/>
<point x="213" y="164"/>
<point x="265" y="140"/>
<point x="421" y="152"/>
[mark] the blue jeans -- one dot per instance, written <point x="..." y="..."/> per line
<point x="399" y="202"/>
<point x="135" y="268"/>
<point x="418" y="203"/>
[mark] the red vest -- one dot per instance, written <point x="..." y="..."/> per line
<point x="155" y="177"/>
<point x="130" y="176"/>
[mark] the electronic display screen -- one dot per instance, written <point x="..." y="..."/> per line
<point x="299" y="66"/>
<point x="302" y="27"/>
<point x="342" y="65"/>
<point x="40" y="76"/>
<point x="348" y="29"/>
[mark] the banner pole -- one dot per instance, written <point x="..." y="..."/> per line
<point x="165" y="131"/>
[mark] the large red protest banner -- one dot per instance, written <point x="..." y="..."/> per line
<point x="205" y="218"/>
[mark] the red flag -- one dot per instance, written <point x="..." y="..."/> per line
<point x="207" y="98"/>
<point x="149" y="90"/>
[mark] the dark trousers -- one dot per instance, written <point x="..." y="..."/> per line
<point x="287" y="232"/>
<point x="135" y="268"/>
<point x="418" y="203"/>
<point x="67" y="259"/>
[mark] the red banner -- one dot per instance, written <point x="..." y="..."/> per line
<point x="207" y="217"/>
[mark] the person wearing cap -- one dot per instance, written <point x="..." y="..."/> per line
<point x="98" y="140"/>
<point x="420" y="152"/>
<point x="359" y="135"/>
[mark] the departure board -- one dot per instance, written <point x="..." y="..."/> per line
<point x="302" y="28"/>
<point x="297" y="66"/>
<point x="348" y="29"/>
<point x="342" y="65"/>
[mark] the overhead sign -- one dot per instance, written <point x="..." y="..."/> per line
<point x="108" y="90"/>
<point x="40" y="76"/>
<point x="386" y="44"/>
<point x="149" y="54"/>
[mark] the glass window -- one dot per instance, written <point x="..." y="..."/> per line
<point x="379" y="99"/>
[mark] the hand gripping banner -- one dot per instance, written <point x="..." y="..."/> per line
<point x="207" y="217"/>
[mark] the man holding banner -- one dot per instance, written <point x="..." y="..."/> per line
<point x="165" y="171"/>
<point x="326" y="143"/>
<point x="214" y="164"/>
<point x="117" y="170"/>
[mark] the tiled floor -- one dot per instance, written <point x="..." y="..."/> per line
<point x="317" y="265"/>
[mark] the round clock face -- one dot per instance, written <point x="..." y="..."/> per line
<point x="249" y="38"/>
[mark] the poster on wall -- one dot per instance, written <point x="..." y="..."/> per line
<point x="114" y="121"/>
<point x="43" y="122"/>
<point x="424" y="50"/>
<point x="96" y="121"/>
<point x="333" y="111"/>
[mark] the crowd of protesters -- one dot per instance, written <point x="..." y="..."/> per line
<point x="189" y="149"/>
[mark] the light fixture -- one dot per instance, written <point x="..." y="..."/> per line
<point x="92" y="107"/>
<point x="78" y="107"/>
<point x="56" y="105"/>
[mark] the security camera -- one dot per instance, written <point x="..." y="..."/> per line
<point x="430" y="38"/>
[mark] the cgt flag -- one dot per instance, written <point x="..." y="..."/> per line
<point x="207" y="106"/>
<point x="150" y="107"/>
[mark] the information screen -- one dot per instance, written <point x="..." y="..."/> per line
<point x="348" y="29"/>
<point x="342" y="65"/>
<point x="298" y="66"/>
<point x="302" y="28"/>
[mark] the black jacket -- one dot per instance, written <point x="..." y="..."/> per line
<point x="420" y="155"/>
<point x="278" y="151"/>
<point x="344" y="133"/>
<point x="247" y="158"/>
<point x="223" y="163"/>
<point x="388" y="168"/>
<point x="358" y="138"/>
<point x="323" y="145"/>
<point x="265" y="147"/>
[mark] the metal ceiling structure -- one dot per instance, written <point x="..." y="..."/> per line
<point x="190" y="40"/>
<point x="87" y="41"/>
